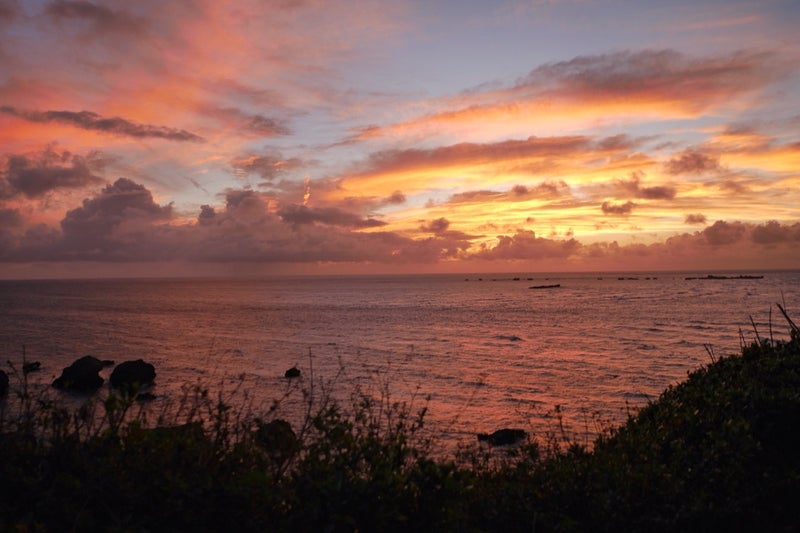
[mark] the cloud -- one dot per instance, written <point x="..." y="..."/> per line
<point x="439" y="225"/>
<point x="625" y="85"/>
<point x="475" y="197"/>
<point x="258" y="125"/>
<point x="633" y="187"/>
<point x="88" y="120"/>
<point x="101" y="17"/>
<point x="114" y="225"/>
<point x="423" y="169"/>
<point x="617" y="209"/>
<point x="526" y="245"/>
<point x="695" y="218"/>
<point x="267" y="167"/>
<point x="10" y="218"/>
<point x="123" y="223"/>
<point x="266" y="127"/>
<point x="34" y="175"/>
<point x="691" y="162"/>
<point x="546" y="190"/>
<point x="473" y="153"/>
<point x="397" y="197"/>
<point x="724" y="233"/>
<point x="300" y="214"/>
<point x="652" y="75"/>
<point x="8" y="10"/>
<point x="773" y="232"/>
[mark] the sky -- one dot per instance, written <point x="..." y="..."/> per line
<point x="197" y="137"/>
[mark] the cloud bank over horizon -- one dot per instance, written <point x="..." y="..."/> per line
<point x="187" y="134"/>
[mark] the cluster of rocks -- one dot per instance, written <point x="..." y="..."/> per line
<point x="83" y="375"/>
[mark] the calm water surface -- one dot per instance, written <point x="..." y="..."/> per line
<point x="489" y="354"/>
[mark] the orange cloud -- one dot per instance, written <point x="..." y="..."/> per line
<point x="600" y="90"/>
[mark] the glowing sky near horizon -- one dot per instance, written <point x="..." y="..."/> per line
<point x="404" y="136"/>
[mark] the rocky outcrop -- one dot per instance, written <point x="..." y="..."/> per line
<point x="33" y="366"/>
<point x="81" y="376"/>
<point x="277" y="438"/>
<point x="503" y="437"/>
<point x="3" y="383"/>
<point x="133" y="375"/>
<point x="293" y="372"/>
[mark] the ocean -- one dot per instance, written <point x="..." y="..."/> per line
<point x="481" y="351"/>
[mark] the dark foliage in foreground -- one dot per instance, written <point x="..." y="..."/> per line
<point x="720" y="451"/>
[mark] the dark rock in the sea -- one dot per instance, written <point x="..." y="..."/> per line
<point x="293" y="372"/>
<point x="277" y="438"/>
<point x="132" y="375"/>
<point x="3" y="383"/>
<point x="503" y="437"/>
<point x="33" y="366"/>
<point x="81" y="376"/>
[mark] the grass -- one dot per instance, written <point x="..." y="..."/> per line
<point x="720" y="450"/>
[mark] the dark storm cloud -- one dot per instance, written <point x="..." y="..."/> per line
<point x="722" y="233"/>
<point x="695" y="218"/>
<point x="634" y="188"/>
<point x="617" y="209"/>
<point x="267" y="167"/>
<point x="300" y="214"/>
<point x="88" y="120"/>
<point x="34" y="175"/>
<point x="691" y="162"/>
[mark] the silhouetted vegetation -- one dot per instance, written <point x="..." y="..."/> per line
<point x="720" y="451"/>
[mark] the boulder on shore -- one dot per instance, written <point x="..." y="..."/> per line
<point x="3" y="383"/>
<point x="133" y="375"/>
<point x="81" y="376"/>
<point x="277" y="438"/>
<point x="33" y="366"/>
<point x="503" y="437"/>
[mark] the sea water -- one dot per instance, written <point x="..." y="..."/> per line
<point x="481" y="352"/>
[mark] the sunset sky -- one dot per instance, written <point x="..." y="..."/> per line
<point x="262" y="137"/>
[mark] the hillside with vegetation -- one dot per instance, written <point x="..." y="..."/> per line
<point x="718" y="451"/>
